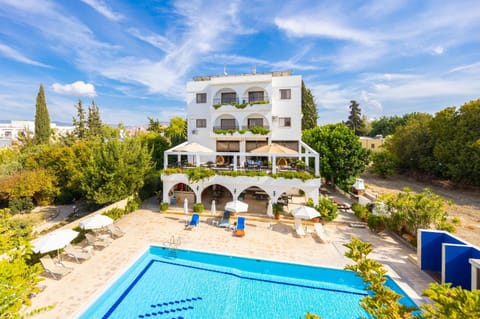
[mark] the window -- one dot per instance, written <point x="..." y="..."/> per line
<point x="228" y="146"/>
<point x="201" y="123"/>
<point x="284" y="122"/>
<point x="373" y="145"/>
<point x="285" y="94"/>
<point x="227" y="124"/>
<point x="229" y="98"/>
<point x="201" y="97"/>
<point x="255" y="122"/>
<point x="255" y="96"/>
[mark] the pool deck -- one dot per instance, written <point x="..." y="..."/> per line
<point x="264" y="239"/>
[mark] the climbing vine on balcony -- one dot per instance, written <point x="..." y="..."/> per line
<point x="254" y="130"/>
<point x="216" y="106"/>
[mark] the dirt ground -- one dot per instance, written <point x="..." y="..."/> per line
<point x="466" y="202"/>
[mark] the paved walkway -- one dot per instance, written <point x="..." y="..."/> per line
<point x="267" y="239"/>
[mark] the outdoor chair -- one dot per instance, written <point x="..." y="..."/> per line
<point x="96" y="241"/>
<point x="193" y="222"/>
<point x="240" y="229"/>
<point x="299" y="228"/>
<point x="225" y="222"/>
<point x="56" y="270"/>
<point x="115" y="231"/>
<point x="77" y="254"/>
<point x="320" y="232"/>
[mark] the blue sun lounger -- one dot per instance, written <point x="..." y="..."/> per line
<point x="225" y="222"/>
<point x="193" y="222"/>
<point x="240" y="231"/>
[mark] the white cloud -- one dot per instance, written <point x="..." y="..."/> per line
<point x="101" y="8"/>
<point x="438" y="50"/>
<point x="78" y="88"/>
<point x="156" y="40"/>
<point x="17" y="56"/>
<point x="301" y="26"/>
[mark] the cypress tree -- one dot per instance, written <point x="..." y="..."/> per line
<point x="309" y="109"/>
<point x="94" y="122"/>
<point x="79" y="124"/>
<point x="42" y="119"/>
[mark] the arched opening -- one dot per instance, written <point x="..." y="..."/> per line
<point x="216" y="192"/>
<point x="177" y="194"/>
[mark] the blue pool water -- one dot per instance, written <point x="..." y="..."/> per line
<point x="181" y="284"/>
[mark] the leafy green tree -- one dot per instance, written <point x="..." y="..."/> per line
<point x="386" y="125"/>
<point x="154" y="125"/>
<point x="115" y="170"/>
<point x="309" y="109"/>
<point x="466" y="165"/>
<point x="177" y="131"/>
<point x="355" y="121"/>
<point x="412" y="144"/>
<point x="341" y="153"/>
<point x="18" y="279"/>
<point x="452" y="303"/>
<point x="80" y="123"/>
<point x="157" y="144"/>
<point x="383" y="302"/>
<point x="384" y="163"/>
<point x="411" y="211"/>
<point x="443" y="130"/>
<point x="42" y="119"/>
<point x="94" y="123"/>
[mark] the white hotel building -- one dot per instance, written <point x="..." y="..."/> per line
<point x="231" y="121"/>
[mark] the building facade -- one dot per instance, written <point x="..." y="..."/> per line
<point x="244" y="122"/>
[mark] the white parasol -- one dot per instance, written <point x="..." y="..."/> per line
<point x="305" y="212"/>
<point x="96" y="221"/>
<point x="55" y="240"/>
<point x="236" y="206"/>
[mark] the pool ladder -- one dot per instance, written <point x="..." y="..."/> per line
<point x="173" y="244"/>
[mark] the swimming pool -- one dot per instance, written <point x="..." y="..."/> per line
<point x="181" y="284"/>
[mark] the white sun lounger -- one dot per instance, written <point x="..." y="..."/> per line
<point x="320" y="232"/>
<point x="56" y="270"/>
<point x="299" y="228"/>
<point x="77" y="254"/>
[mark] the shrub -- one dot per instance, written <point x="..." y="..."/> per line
<point x="384" y="164"/>
<point x="114" y="213"/>
<point x="376" y="223"/>
<point x="21" y="205"/>
<point x="277" y="208"/>
<point x="198" y="208"/>
<point x="133" y="204"/>
<point x="327" y="209"/>
<point x="360" y="211"/>
<point x="163" y="207"/>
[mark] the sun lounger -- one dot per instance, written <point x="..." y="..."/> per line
<point x="193" y="222"/>
<point x="77" y="254"/>
<point x="96" y="241"/>
<point x="225" y="222"/>
<point x="240" y="230"/>
<point x="320" y="232"/>
<point x="299" y="228"/>
<point x="56" y="270"/>
<point x="115" y="231"/>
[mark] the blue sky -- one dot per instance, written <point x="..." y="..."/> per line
<point x="135" y="57"/>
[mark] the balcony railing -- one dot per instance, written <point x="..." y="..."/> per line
<point x="246" y="127"/>
<point x="226" y="127"/>
<point x="226" y="101"/>
<point x="245" y="99"/>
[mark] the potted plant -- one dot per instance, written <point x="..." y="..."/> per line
<point x="163" y="207"/>
<point x="277" y="209"/>
<point x="198" y="208"/>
